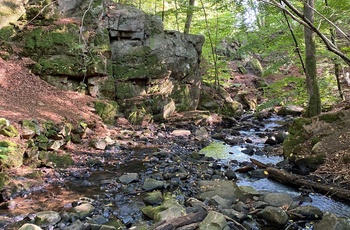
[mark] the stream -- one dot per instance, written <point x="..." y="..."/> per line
<point x="227" y="153"/>
<point x="123" y="202"/>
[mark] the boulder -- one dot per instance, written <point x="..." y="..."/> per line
<point x="153" y="198"/>
<point x="332" y="222"/>
<point x="225" y="189"/>
<point x="309" y="212"/>
<point x="30" y="227"/>
<point x="152" y="184"/>
<point x="129" y="178"/>
<point x="214" y="221"/>
<point x="278" y="199"/>
<point x="170" y="209"/>
<point x="47" y="218"/>
<point x="274" y="215"/>
<point x="84" y="210"/>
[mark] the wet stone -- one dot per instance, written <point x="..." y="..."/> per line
<point x="47" y="218"/>
<point x="98" y="219"/>
<point x="259" y="173"/>
<point x="225" y="189"/>
<point x="230" y="174"/>
<point x="152" y="184"/>
<point x="153" y="198"/>
<point x="278" y="199"/>
<point x="274" y="215"/>
<point x="219" y="201"/>
<point x="249" y="190"/>
<point x="214" y="221"/>
<point x="84" y="210"/>
<point x="129" y="178"/>
<point x="309" y="212"/>
<point x="30" y="227"/>
<point x="239" y="216"/>
<point x="332" y="222"/>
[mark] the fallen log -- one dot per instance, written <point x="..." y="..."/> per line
<point x="182" y="220"/>
<point x="297" y="181"/>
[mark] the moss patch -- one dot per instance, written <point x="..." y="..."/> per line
<point x="107" y="111"/>
<point x="54" y="159"/>
<point x="11" y="155"/>
<point x="297" y="136"/>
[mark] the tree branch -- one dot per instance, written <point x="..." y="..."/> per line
<point x="300" y="18"/>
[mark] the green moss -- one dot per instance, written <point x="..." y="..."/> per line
<point x="8" y="144"/>
<point x="152" y="212"/>
<point x="137" y="114"/>
<point x="3" y="179"/>
<point x="315" y="140"/>
<point x="230" y="108"/>
<point x="6" y="33"/>
<point x="297" y="136"/>
<point x="11" y="155"/>
<point x="9" y="131"/>
<point x="3" y="122"/>
<point x="107" y="111"/>
<point x="182" y="97"/>
<point x="331" y="117"/>
<point x="42" y="41"/>
<point x="31" y="125"/>
<point x="59" y="161"/>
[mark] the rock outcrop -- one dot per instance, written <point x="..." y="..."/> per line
<point x="112" y="51"/>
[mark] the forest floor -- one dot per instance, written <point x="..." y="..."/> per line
<point x="24" y="95"/>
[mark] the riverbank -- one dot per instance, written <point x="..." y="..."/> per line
<point x="162" y="180"/>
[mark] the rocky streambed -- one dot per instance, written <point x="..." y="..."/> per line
<point x="181" y="176"/>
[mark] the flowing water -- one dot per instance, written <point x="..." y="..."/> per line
<point x="102" y="184"/>
<point x="226" y="153"/>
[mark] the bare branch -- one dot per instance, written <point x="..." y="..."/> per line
<point x="330" y="22"/>
<point x="300" y="18"/>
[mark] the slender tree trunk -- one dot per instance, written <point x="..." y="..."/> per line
<point x="176" y="15"/>
<point x="337" y="67"/>
<point x="212" y="46"/>
<point x="163" y="10"/>
<point x="314" y="100"/>
<point x="297" y="49"/>
<point x="189" y="16"/>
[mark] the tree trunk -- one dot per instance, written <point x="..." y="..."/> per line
<point x="314" y="100"/>
<point x="189" y="16"/>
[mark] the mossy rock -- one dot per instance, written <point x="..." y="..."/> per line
<point x="231" y="109"/>
<point x="3" y="179"/>
<point x="9" y="131"/>
<point x="11" y="155"/>
<point x="31" y="125"/>
<point x="4" y="122"/>
<point x="308" y="164"/>
<point x="107" y="111"/>
<point x="292" y="145"/>
<point x="59" y="52"/>
<point x="54" y="159"/>
<point x="182" y="97"/>
<point x="331" y="117"/>
<point x="169" y="209"/>
<point x="41" y="41"/>
<point x="256" y="67"/>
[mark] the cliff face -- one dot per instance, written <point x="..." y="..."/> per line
<point x="110" y="51"/>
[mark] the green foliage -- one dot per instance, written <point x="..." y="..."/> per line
<point x="107" y="111"/>
<point x="288" y="90"/>
<point x="137" y="115"/>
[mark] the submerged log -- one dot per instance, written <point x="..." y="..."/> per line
<point x="299" y="181"/>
